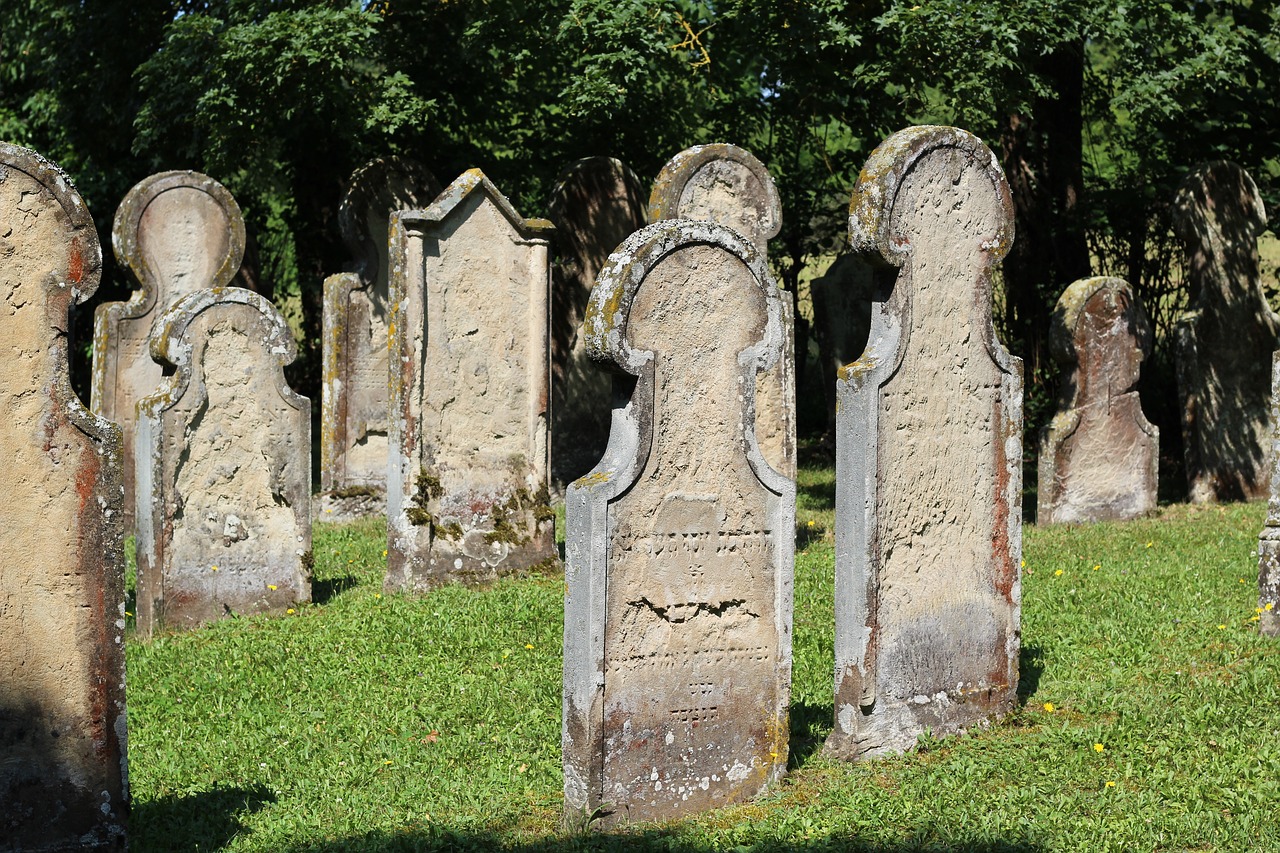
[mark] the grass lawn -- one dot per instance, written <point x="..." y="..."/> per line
<point x="364" y="722"/>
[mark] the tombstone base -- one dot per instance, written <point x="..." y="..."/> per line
<point x="470" y="561"/>
<point x="895" y="726"/>
<point x="343" y="505"/>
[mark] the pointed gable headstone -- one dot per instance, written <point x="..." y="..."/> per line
<point x="928" y="456"/>
<point x="596" y="204"/>
<point x="726" y="184"/>
<point x="357" y="310"/>
<point x="467" y="490"/>
<point x="224" y="466"/>
<point x="680" y="543"/>
<point x="1225" y="342"/>
<point x="1099" y="455"/>
<point x="176" y="233"/>
<point x="63" y="781"/>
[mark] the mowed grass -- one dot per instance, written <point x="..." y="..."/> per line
<point x="367" y="722"/>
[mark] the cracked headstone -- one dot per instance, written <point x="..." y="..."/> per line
<point x="680" y="543"/>
<point x="357" y="310"/>
<point x="1225" y="341"/>
<point x="176" y="233"/>
<point x="841" y="322"/>
<point x="468" y="491"/>
<point x="224" y="467"/>
<point x="63" y="779"/>
<point x="1099" y="455"/>
<point x="725" y="184"/>
<point x="928" y="456"/>
<point x="596" y="204"/>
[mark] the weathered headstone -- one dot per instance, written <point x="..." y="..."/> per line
<point x="224" y="466"/>
<point x="1269" y="539"/>
<point x="842" y="300"/>
<point x="467" y="482"/>
<point x="928" y="456"/>
<point x="63" y="780"/>
<point x="176" y="233"/>
<point x="680" y="545"/>
<point x="1225" y="342"/>
<point x="1099" y="455"/>
<point x="723" y="183"/>
<point x="353" y="413"/>
<point x="596" y="204"/>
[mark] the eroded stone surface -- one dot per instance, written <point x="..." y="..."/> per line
<point x="680" y="543"/>
<point x="1269" y="538"/>
<point x="467" y="490"/>
<point x="176" y="233"/>
<point x="224" y="467"/>
<point x="1099" y="455"/>
<point x="841" y="321"/>
<point x="357" y="311"/>
<point x="63" y="779"/>
<point x="596" y="204"/>
<point x="725" y="184"/>
<point x="928" y="456"/>
<point x="1225" y="342"/>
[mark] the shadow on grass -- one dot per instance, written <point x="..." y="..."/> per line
<point x="817" y="496"/>
<point x="809" y="724"/>
<point x="322" y="591"/>
<point x="204" y="821"/>
<point x="1030" y="668"/>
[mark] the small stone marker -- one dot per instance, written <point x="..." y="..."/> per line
<point x="62" y="699"/>
<point x="1099" y="455"/>
<point x="224" y="466"/>
<point x="467" y="488"/>
<point x="1269" y="539"/>
<point x="176" y="233"/>
<point x="357" y="309"/>
<point x="1225" y="342"/>
<point x="680" y="545"/>
<point x="842" y="299"/>
<point x="723" y="183"/>
<point x="596" y="204"/>
<point x="928" y="456"/>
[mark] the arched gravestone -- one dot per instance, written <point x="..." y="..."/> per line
<point x="1225" y="342"/>
<point x="62" y="699"/>
<point x="467" y="480"/>
<point x="357" y="309"/>
<point x="1099" y="455"/>
<point x="725" y="184"/>
<point x="176" y="233"/>
<point x="842" y="299"/>
<point x="596" y="204"/>
<point x="680" y="544"/>
<point x="928" y="456"/>
<point x="224" y="466"/>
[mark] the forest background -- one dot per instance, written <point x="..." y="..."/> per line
<point x="1095" y="109"/>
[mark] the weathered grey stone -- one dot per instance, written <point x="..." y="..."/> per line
<point x="680" y="544"/>
<point x="1269" y="538"/>
<point x="1099" y="455"/>
<point x="467" y="480"/>
<point x="357" y="310"/>
<point x="223" y="466"/>
<point x="596" y="204"/>
<point x="63" y="778"/>
<point x="723" y="183"/>
<point x="1225" y="342"/>
<point x="842" y="300"/>
<point x="928" y="456"/>
<point x="176" y="233"/>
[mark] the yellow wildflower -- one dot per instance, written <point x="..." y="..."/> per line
<point x="1268" y="606"/>
<point x="1058" y="573"/>
<point x="1095" y="568"/>
<point x="1097" y="747"/>
<point x="272" y="587"/>
<point x="1048" y="706"/>
<point x="290" y="611"/>
<point x="1222" y="627"/>
<point x="528" y="645"/>
<point x="1110" y="784"/>
<point x="214" y="568"/>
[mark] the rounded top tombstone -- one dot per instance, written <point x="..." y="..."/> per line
<point x="1218" y="201"/>
<point x="375" y="190"/>
<point x="721" y="183"/>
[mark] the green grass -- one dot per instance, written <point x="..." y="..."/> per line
<point x="367" y="722"/>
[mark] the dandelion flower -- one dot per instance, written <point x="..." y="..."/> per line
<point x="1048" y="706"/>
<point x="214" y="568"/>
<point x="1267" y="607"/>
<point x="1097" y="747"/>
<point x="1024" y="564"/>
<point x="384" y="552"/>
<point x="1110" y="784"/>
<point x="272" y="587"/>
<point x="1058" y="573"/>
<point x="811" y="522"/>
<point x="1095" y="568"/>
<point x="1149" y="544"/>
<point x="1222" y="627"/>
<point x="528" y="645"/>
<point x="290" y="611"/>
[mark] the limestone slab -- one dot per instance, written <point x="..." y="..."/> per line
<point x="928" y="456"/>
<point x="223" y="459"/>
<point x="356" y="314"/>
<point x="1099" y="455"/>
<point x="467" y="477"/>
<point x="680" y="542"/>
<point x="63" y="776"/>
<point x="1269" y="538"/>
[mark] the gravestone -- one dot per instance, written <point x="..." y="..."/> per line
<point x="1224" y="343"/>
<point x="1099" y="455"/>
<point x="224" y="466"/>
<point x="353" y="408"/>
<point x="176" y="233"/>
<point x="467" y="489"/>
<point x="63" y="778"/>
<point x="1269" y="539"/>
<point x="596" y="204"/>
<point x="842" y="299"/>
<point x="680" y="543"/>
<point x="928" y="456"/>
<point x="723" y="183"/>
